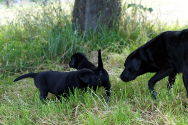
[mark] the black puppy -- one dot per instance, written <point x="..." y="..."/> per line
<point x="166" y="54"/>
<point x="79" y="61"/>
<point x="59" y="83"/>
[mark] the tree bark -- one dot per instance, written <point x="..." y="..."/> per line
<point x="79" y="14"/>
<point x="91" y="14"/>
<point x="7" y="3"/>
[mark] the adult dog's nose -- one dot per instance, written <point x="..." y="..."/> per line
<point x="122" y="77"/>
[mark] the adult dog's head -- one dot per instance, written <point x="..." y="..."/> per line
<point x="133" y="67"/>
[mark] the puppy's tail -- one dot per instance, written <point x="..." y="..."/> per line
<point x="100" y="63"/>
<point x="29" y="75"/>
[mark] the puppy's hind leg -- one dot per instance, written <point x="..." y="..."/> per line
<point x="108" y="91"/>
<point x="171" y="80"/>
<point x="43" y="95"/>
<point x="42" y="88"/>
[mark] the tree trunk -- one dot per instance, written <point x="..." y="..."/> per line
<point x="79" y="14"/>
<point x="7" y="3"/>
<point x="91" y="14"/>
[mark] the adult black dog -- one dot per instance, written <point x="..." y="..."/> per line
<point x="60" y="83"/>
<point x="166" y="54"/>
<point x="80" y="61"/>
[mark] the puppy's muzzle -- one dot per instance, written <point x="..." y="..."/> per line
<point x="71" y="65"/>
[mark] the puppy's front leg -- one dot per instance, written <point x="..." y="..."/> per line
<point x="158" y="76"/>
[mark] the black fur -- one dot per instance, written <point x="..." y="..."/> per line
<point x="80" y="61"/>
<point x="59" y="83"/>
<point x="166" y="55"/>
<point x="100" y="63"/>
<point x="29" y="75"/>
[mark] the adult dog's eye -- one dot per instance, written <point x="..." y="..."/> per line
<point x="127" y="69"/>
<point x="130" y="69"/>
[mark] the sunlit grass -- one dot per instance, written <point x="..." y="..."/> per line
<point x="44" y="40"/>
<point x="130" y="103"/>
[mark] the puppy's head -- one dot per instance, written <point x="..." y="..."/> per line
<point x="88" y="77"/>
<point x="133" y="68"/>
<point x="76" y="59"/>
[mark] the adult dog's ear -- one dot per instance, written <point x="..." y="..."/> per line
<point x="89" y="78"/>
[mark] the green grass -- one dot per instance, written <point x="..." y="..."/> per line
<point x="44" y="40"/>
<point x="130" y="103"/>
<point x="45" y="34"/>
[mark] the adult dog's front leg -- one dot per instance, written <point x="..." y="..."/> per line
<point x="157" y="77"/>
<point x="171" y="80"/>
<point x="185" y="79"/>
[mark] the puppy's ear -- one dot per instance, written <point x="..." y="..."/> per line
<point x="136" y="64"/>
<point x="89" y="78"/>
